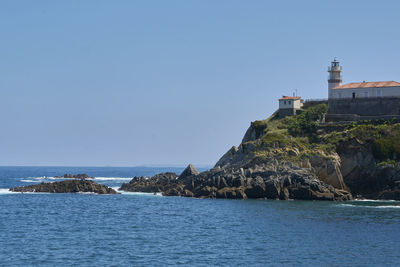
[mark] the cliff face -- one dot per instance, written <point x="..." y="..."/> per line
<point x="325" y="165"/>
<point x="361" y="158"/>
<point x="364" y="176"/>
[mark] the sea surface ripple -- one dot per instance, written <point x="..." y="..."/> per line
<point x="143" y="229"/>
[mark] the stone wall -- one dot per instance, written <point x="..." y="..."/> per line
<point x="365" y="106"/>
<point x="355" y="117"/>
<point x="363" y="109"/>
<point x="284" y="112"/>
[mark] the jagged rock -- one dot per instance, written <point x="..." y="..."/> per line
<point x="158" y="183"/>
<point x="293" y="152"/>
<point x="256" y="188"/>
<point x="228" y="157"/>
<point x="327" y="168"/>
<point x="189" y="171"/>
<point x="255" y="131"/>
<point x="69" y="186"/>
<point x="257" y="179"/>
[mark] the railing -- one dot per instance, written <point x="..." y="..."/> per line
<point x="335" y="68"/>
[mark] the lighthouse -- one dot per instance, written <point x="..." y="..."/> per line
<point x="334" y="79"/>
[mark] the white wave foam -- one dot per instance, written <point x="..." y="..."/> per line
<point x="6" y="191"/>
<point x="376" y="200"/>
<point x="140" y="193"/>
<point x="30" y="181"/>
<point x="372" y="207"/>
<point x="87" y="193"/>
<point x="137" y="193"/>
<point x="42" y="178"/>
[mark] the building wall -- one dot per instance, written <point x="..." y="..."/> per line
<point x="289" y="103"/>
<point x="365" y="106"/>
<point x="287" y="112"/>
<point x="365" y="92"/>
<point x="298" y="104"/>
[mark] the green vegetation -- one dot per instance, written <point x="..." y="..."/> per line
<point x="304" y="134"/>
<point x="386" y="148"/>
<point x="306" y="124"/>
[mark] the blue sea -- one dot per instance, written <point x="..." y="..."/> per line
<point x="138" y="229"/>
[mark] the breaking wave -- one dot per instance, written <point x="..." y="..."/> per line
<point x="371" y="206"/>
<point x="6" y="191"/>
<point x="137" y="193"/>
<point x="375" y="200"/>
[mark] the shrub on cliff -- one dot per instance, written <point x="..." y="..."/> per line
<point x="386" y="148"/>
<point x="306" y="124"/>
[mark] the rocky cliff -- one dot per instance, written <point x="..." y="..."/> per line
<point x="296" y="158"/>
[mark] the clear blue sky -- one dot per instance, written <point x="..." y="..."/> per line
<point x="125" y="83"/>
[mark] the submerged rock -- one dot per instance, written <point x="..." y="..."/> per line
<point x="75" y="176"/>
<point x="69" y="186"/>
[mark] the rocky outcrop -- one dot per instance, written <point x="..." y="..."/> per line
<point x="238" y="156"/>
<point x="255" y="131"/>
<point x="325" y="166"/>
<point x="69" y="186"/>
<point x="327" y="169"/>
<point x="355" y="156"/>
<point x="304" y="161"/>
<point x="189" y="171"/>
<point x="75" y="176"/>
<point x="158" y="183"/>
<point x="257" y="179"/>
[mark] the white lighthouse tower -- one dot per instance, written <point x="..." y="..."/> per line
<point x="334" y="78"/>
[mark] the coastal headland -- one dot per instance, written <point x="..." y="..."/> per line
<point x="296" y="157"/>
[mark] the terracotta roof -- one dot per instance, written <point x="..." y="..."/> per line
<point x="289" y="97"/>
<point x="368" y="85"/>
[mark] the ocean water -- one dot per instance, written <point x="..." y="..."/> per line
<point x="137" y="229"/>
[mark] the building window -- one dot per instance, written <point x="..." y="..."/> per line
<point x="284" y="102"/>
<point x="379" y="93"/>
<point x="340" y="95"/>
<point x="290" y="102"/>
<point x="366" y="94"/>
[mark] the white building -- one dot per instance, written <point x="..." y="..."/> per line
<point x="288" y="105"/>
<point x="358" y="90"/>
<point x="290" y="102"/>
